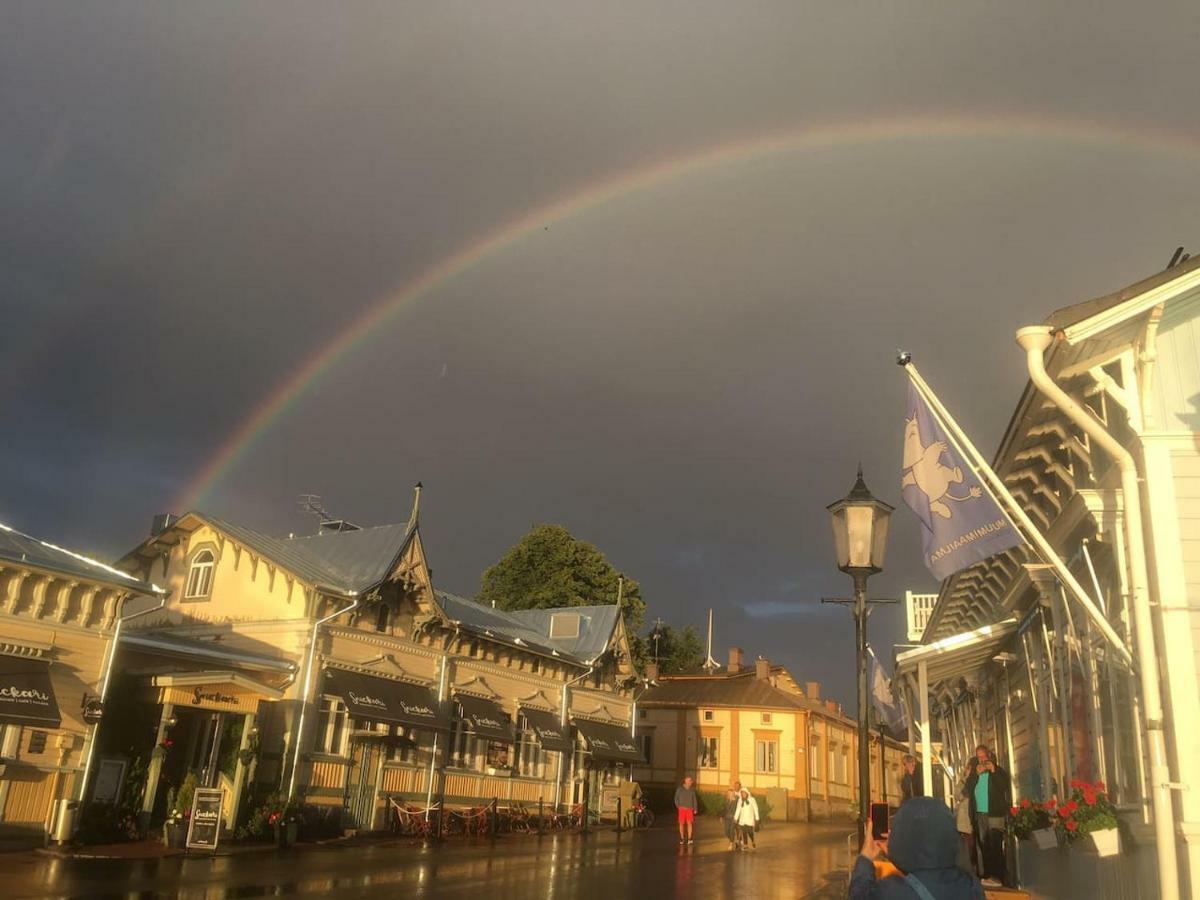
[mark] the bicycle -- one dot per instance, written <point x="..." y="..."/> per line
<point x="641" y="816"/>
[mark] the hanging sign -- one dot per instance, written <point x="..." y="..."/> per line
<point x="204" y="828"/>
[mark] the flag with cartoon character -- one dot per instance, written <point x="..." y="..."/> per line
<point x="962" y="522"/>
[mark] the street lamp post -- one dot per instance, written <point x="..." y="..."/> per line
<point x="860" y="527"/>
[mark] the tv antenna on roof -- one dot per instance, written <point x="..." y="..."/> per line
<point x="311" y="503"/>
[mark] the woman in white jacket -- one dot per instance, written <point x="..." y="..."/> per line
<point x="746" y="818"/>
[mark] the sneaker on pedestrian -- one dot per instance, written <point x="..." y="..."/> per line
<point x="990" y="882"/>
<point x="690" y="841"/>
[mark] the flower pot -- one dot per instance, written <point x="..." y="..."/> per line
<point x="1107" y="841"/>
<point x="175" y="834"/>
<point x="285" y="834"/>
<point x="1044" y="838"/>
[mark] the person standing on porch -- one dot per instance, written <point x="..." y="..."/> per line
<point x="686" y="803"/>
<point x="911" y="784"/>
<point x="989" y="792"/>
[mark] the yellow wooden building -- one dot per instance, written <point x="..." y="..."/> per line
<point x="344" y="677"/>
<point x="755" y="724"/>
<point x="59" y="612"/>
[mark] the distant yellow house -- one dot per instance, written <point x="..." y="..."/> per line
<point x="755" y="724"/>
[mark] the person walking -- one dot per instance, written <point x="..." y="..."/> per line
<point x="732" y="796"/>
<point x="686" y="803"/>
<point x="989" y="791"/>
<point x="746" y="817"/>
<point x="922" y="848"/>
<point x="912" y="783"/>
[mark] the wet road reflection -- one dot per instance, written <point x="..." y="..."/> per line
<point x="793" y="861"/>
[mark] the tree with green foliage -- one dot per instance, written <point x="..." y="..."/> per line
<point x="550" y="568"/>
<point x="676" y="649"/>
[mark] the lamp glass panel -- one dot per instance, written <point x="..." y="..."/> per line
<point x="841" y="543"/>
<point x="860" y="522"/>
<point x="882" y="521"/>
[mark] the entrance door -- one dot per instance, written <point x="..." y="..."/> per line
<point x="365" y="759"/>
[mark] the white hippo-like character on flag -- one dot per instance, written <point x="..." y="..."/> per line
<point x="923" y="468"/>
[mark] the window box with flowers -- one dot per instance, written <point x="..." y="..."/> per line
<point x="1034" y="822"/>
<point x="1089" y="816"/>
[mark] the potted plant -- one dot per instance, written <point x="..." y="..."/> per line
<point x="1089" y="816"/>
<point x="1033" y="822"/>
<point x="179" y="808"/>
<point x="284" y="817"/>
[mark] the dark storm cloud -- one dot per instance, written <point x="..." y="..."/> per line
<point x="197" y="198"/>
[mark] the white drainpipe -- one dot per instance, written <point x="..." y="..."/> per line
<point x="1035" y="340"/>
<point x="308" y="678"/>
<point x="108" y="667"/>
<point x="563" y="722"/>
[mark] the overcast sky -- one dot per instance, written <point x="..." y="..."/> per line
<point x="198" y="197"/>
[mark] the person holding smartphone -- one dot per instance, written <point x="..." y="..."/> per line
<point x="989" y="791"/>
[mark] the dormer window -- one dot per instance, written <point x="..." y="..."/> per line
<point x="199" y="580"/>
<point x="564" y="625"/>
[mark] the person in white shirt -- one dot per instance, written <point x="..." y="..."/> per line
<point x="746" y="818"/>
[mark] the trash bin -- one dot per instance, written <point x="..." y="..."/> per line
<point x="64" y="824"/>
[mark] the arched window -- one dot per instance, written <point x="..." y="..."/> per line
<point x="199" y="581"/>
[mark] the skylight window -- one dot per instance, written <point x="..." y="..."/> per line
<point x="564" y="625"/>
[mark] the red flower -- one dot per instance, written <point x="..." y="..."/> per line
<point x="1072" y="825"/>
<point x="1089" y="798"/>
<point x="1076" y="783"/>
<point x="1051" y="803"/>
<point x="1071" y="807"/>
<point x="1100" y="787"/>
<point x="1013" y="811"/>
<point x="1025" y="803"/>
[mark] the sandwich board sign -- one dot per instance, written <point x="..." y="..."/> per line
<point x="204" y="828"/>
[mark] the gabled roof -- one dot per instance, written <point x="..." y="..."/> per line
<point x="18" y="547"/>
<point x="348" y="561"/>
<point x="742" y="690"/>
<point x="530" y="628"/>
<point x="1069" y="316"/>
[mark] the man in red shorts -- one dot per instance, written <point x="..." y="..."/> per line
<point x="686" y="803"/>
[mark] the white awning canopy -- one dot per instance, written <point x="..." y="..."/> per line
<point x="958" y="654"/>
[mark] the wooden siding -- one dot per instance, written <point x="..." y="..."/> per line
<point x="1186" y="469"/>
<point x="405" y="780"/>
<point x="328" y="774"/>
<point x="1177" y="370"/>
<point x="28" y="801"/>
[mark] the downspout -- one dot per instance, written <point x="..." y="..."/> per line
<point x="108" y="667"/>
<point x="562" y="720"/>
<point x="445" y="661"/>
<point x="1034" y="341"/>
<point x="308" y="677"/>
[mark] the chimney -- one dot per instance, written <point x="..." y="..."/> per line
<point x="735" y="660"/>
<point x="762" y="669"/>
<point x="812" y="690"/>
<point x="652" y="671"/>
<point x="831" y="706"/>
<point x="161" y="523"/>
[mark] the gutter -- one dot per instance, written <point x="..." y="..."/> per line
<point x="308" y="673"/>
<point x="563" y="722"/>
<point x="1035" y="341"/>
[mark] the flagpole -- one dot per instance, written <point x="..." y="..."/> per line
<point x="1013" y="510"/>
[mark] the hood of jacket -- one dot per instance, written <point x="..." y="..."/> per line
<point x="924" y="842"/>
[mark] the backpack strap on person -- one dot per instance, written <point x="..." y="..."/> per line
<point x="920" y="889"/>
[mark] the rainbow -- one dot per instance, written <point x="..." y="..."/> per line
<point x="292" y="388"/>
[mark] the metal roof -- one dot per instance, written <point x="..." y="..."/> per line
<point x="18" y="547"/>
<point x="351" y="561"/>
<point x="530" y="628"/>
<point x="957" y="655"/>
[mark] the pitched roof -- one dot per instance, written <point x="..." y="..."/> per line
<point x="1079" y="312"/>
<point x="16" y="546"/>
<point x="351" y="561"/>
<point x="530" y="628"/>
<point x="723" y="690"/>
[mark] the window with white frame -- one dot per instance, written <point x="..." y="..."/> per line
<point x="331" y="726"/>
<point x="498" y="754"/>
<point x="831" y="762"/>
<point x="200" y="573"/>
<point x="766" y="718"/>
<point x="462" y="746"/>
<point x="529" y="756"/>
<point x="708" y="753"/>
<point x="843" y="765"/>
<point x="404" y="746"/>
<point x="814" y="757"/>
<point x="708" y="715"/>
<point x="766" y="756"/>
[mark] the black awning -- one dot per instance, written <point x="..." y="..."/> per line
<point x="485" y="718"/>
<point x="384" y="700"/>
<point x="26" y="695"/>
<point x="551" y="734"/>
<point x="610" y="743"/>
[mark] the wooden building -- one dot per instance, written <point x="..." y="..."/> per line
<point x="755" y="724"/>
<point x="351" y="681"/>
<point x="58" y="615"/>
<point x="1011" y="660"/>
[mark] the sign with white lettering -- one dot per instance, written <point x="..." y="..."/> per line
<point x="385" y="699"/>
<point x="204" y="827"/>
<point x="26" y="695"/>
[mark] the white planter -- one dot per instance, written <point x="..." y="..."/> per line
<point x="1045" y="838"/>
<point x="1106" y="842"/>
